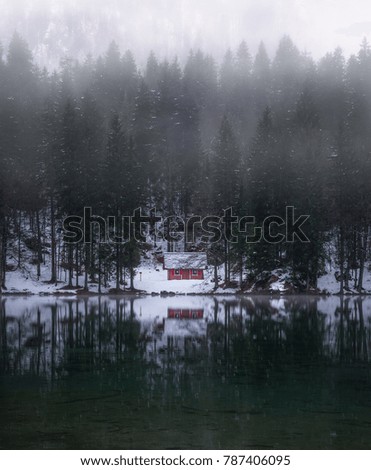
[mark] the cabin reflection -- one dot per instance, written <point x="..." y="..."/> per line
<point x="181" y="330"/>
<point x="185" y="313"/>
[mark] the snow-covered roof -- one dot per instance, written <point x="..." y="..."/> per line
<point x="185" y="260"/>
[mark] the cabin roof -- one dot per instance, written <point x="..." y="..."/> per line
<point x="185" y="260"/>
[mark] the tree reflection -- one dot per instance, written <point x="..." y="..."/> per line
<point x="352" y="333"/>
<point x="231" y="367"/>
<point x="238" y="336"/>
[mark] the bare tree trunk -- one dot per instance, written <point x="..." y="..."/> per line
<point x="70" y="264"/>
<point x="39" y="250"/>
<point x="225" y="261"/>
<point x="362" y="258"/>
<point x="53" y="278"/>
<point x="92" y="261"/>
<point x="167" y="232"/>
<point x="347" y="275"/>
<point x="19" y="239"/>
<point x="87" y="265"/>
<point x="241" y="269"/>
<point x="77" y="265"/>
<point x="117" y="266"/>
<point x="229" y="262"/>
<point x="185" y="234"/>
<point x="122" y="268"/>
<point x="131" y="278"/>
<point x="3" y="245"/>
<point x="99" y="270"/>
<point x="315" y="273"/>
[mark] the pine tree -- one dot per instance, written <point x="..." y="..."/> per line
<point x="226" y="181"/>
<point x="309" y="161"/>
<point x="261" y="189"/>
<point x="261" y="83"/>
<point x="152" y="72"/>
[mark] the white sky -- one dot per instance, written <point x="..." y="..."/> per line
<point x="174" y="26"/>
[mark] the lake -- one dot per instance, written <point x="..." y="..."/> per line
<point x="185" y="372"/>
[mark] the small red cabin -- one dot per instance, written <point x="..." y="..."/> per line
<point x="185" y="265"/>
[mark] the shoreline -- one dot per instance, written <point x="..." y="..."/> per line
<point x="182" y="294"/>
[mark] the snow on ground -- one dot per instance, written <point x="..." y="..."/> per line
<point x="151" y="278"/>
<point x="154" y="279"/>
<point x="328" y="284"/>
<point x="26" y="282"/>
<point x="278" y="286"/>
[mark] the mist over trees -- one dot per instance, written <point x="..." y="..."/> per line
<point x="253" y="133"/>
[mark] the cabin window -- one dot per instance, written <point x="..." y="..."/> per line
<point x="194" y="272"/>
<point x="176" y="272"/>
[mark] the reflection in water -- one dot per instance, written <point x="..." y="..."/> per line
<point x="185" y="313"/>
<point x="150" y="372"/>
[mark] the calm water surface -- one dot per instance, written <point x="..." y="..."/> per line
<point x="185" y="373"/>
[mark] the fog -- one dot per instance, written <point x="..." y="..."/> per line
<point x="57" y="28"/>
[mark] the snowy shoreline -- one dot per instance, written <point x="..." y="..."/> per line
<point x="137" y="294"/>
<point x="152" y="280"/>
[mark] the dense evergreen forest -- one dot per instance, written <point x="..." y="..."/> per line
<point x="254" y="133"/>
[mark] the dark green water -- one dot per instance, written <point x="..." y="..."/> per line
<point x="185" y="373"/>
